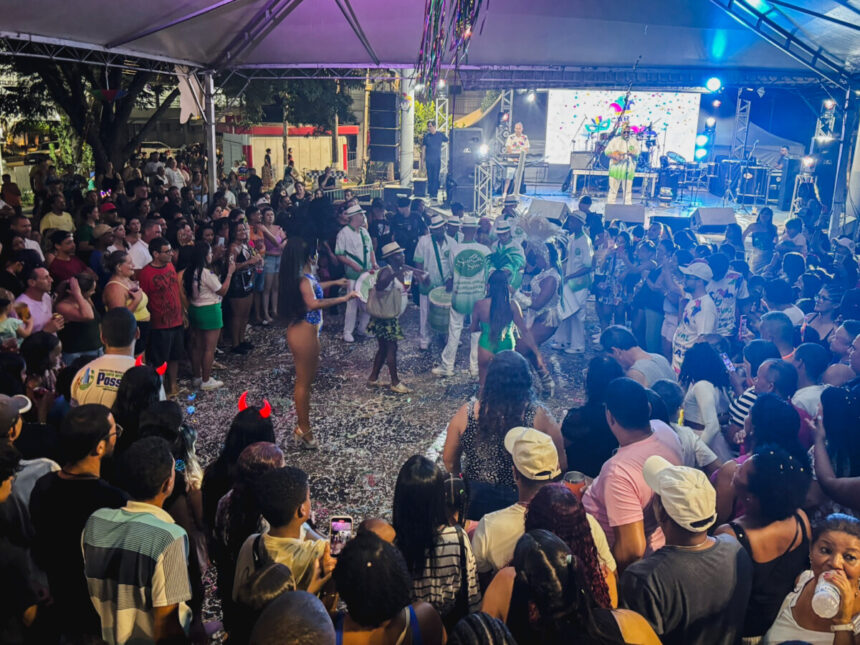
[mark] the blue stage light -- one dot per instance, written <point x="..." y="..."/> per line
<point x="714" y="84"/>
<point x="702" y="140"/>
<point x="700" y="153"/>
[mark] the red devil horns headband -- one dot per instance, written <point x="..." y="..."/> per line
<point x="265" y="411"/>
<point x="161" y="369"/>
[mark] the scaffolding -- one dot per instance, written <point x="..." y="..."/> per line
<point x="742" y="127"/>
<point x="484" y="188"/>
<point x="503" y="128"/>
<point x="441" y="117"/>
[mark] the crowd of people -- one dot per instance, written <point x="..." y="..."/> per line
<point x="705" y="492"/>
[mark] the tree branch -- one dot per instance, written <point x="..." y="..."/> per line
<point x="165" y="104"/>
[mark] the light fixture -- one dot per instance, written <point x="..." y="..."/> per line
<point x="710" y="122"/>
<point x="441" y="82"/>
<point x="530" y="97"/>
<point x="702" y="140"/>
<point x="829" y="104"/>
<point x="714" y="84"/>
<point x="808" y="162"/>
<point x="701" y="153"/>
<point x="419" y="87"/>
<point x="760" y="92"/>
<point x="483" y="149"/>
<point x="468" y="32"/>
<point x="716" y="103"/>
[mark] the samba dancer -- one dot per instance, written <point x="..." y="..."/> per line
<point x="622" y="151"/>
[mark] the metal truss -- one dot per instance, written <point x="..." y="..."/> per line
<point x="755" y="16"/>
<point x="503" y="128"/>
<point x="742" y="126"/>
<point x="441" y="117"/>
<point x="483" y="188"/>
<point x="15" y="45"/>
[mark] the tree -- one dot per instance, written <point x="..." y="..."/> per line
<point x="73" y="89"/>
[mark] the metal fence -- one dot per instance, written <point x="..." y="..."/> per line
<point x="364" y="193"/>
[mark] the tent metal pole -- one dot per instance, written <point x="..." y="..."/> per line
<point x="407" y="126"/>
<point x="209" y="117"/>
<point x="838" y="212"/>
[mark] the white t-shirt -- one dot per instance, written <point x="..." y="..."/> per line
<point x="808" y="399"/>
<point x="795" y="314"/>
<point x="699" y="317"/>
<point x="40" y="310"/>
<point x="206" y="293"/>
<point x="139" y="252"/>
<point x="497" y="534"/>
<point x="174" y="177"/>
<point x="33" y="245"/>
<point x="725" y="293"/>
<point x="694" y="451"/>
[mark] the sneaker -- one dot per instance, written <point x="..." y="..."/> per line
<point x="347" y="338"/>
<point x="211" y="384"/>
<point x="556" y="345"/>
<point x="574" y="350"/>
<point x="400" y="389"/>
<point x="196" y="382"/>
<point x="247" y="345"/>
<point x="423" y="346"/>
<point x="441" y="371"/>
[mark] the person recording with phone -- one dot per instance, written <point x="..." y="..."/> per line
<point x="622" y="151"/>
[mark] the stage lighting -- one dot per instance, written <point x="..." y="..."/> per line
<point x="700" y="153"/>
<point x="808" y="162"/>
<point x="717" y="103"/>
<point x="829" y="104"/>
<point x="714" y="84"/>
<point x="506" y="116"/>
<point x="419" y="87"/>
<point x="702" y="140"/>
<point x="441" y="82"/>
<point x="710" y="122"/>
<point x="483" y="150"/>
<point x="530" y="97"/>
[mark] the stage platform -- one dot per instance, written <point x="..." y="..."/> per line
<point x="672" y="214"/>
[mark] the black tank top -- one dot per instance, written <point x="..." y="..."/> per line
<point x="772" y="580"/>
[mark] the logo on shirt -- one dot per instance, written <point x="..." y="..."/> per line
<point x="469" y="263"/>
<point x="86" y="379"/>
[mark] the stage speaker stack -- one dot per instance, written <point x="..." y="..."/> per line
<point x="391" y="193"/>
<point x="827" y="159"/>
<point x="790" y="170"/>
<point x="712" y="220"/>
<point x="384" y="126"/>
<point x="629" y="214"/>
<point x="556" y="212"/>
<point x="464" y="146"/>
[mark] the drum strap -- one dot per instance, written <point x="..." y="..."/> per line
<point x="363" y="261"/>
<point x="438" y="259"/>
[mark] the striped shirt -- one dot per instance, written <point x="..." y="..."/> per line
<point x="440" y="581"/>
<point x="135" y="559"/>
<point x="740" y="407"/>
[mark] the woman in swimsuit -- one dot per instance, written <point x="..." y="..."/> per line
<point x="500" y="321"/>
<point x="301" y="303"/>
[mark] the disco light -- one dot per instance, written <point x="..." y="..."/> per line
<point x="530" y="97"/>
<point x="700" y="153"/>
<point x="717" y="103"/>
<point x="710" y="122"/>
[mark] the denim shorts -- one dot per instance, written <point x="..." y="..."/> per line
<point x="272" y="263"/>
<point x="259" y="281"/>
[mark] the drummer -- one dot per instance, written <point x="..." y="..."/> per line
<point x="354" y="249"/>
<point x="433" y="255"/>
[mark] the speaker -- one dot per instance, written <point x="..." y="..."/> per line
<point x="391" y="193"/>
<point x="385" y="136"/>
<point x="632" y="214"/>
<point x="384" y="153"/>
<point x="556" y="211"/>
<point x="463" y="193"/>
<point x="464" y="146"/>
<point x="712" y="220"/>
<point x="827" y="159"/>
<point x="383" y="120"/>
<point x="419" y="187"/>
<point x="383" y="101"/>
<point x="580" y="159"/>
<point x="790" y="170"/>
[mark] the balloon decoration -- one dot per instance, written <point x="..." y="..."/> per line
<point x="598" y="124"/>
<point x="448" y="27"/>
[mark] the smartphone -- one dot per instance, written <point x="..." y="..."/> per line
<point x="339" y="532"/>
<point x="728" y="362"/>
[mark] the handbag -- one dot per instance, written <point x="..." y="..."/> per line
<point x="385" y="304"/>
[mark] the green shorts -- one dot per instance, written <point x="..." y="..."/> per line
<point x="206" y="317"/>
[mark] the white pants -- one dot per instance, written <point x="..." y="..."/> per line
<point x="449" y="354"/>
<point x="614" y="185"/>
<point x="423" y="327"/>
<point x="571" y="331"/>
<point x="352" y="308"/>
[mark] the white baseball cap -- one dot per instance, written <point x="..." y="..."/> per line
<point x="699" y="270"/>
<point x="685" y="493"/>
<point x="534" y="453"/>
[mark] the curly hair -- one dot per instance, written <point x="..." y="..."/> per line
<point x="556" y="509"/>
<point x="703" y="363"/>
<point x="506" y="396"/>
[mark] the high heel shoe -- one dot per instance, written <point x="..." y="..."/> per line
<point x="304" y="442"/>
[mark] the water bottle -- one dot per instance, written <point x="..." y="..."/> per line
<point x="826" y="599"/>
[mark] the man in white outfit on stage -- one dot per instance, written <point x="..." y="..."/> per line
<point x="623" y="151"/>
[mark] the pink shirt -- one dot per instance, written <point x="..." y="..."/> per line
<point x="619" y="494"/>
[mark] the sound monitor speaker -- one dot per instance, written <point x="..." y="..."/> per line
<point x="391" y="193"/>
<point x="384" y="120"/>
<point x="463" y="193"/>
<point x="384" y="153"/>
<point x="827" y="159"/>
<point x="712" y="220"/>
<point x="464" y="146"/>
<point x="629" y="214"/>
<point x="556" y="211"/>
<point x="580" y="159"/>
<point x="419" y="187"/>
<point x="790" y="170"/>
<point x="383" y="101"/>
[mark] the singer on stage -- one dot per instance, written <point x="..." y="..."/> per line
<point x="622" y="151"/>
